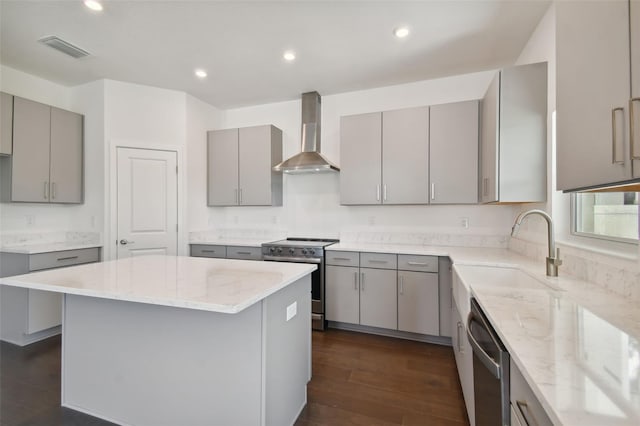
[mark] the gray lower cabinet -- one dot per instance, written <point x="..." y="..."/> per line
<point x="46" y="165"/>
<point x="464" y="360"/>
<point x="378" y="298"/>
<point x="27" y="315"/>
<point x="226" y="252"/>
<point x="240" y="166"/>
<point x="418" y="302"/>
<point x="513" y="164"/>
<point x="525" y="407"/>
<point x="342" y="294"/>
<point x="6" y="123"/>
<point x="453" y="140"/>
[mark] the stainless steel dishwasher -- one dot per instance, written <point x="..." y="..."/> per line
<point x="490" y="371"/>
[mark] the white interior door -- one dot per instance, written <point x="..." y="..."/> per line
<point x="147" y="202"/>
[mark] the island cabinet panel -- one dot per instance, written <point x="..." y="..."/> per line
<point x="453" y="141"/>
<point x="6" y="123"/>
<point x="240" y="166"/>
<point x="378" y="298"/>
<point x="175" y="366"/>
<point x="594" y="93"/>
<point x="361" y="159"/>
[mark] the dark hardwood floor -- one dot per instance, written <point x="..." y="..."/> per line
<point x="358" y="379"/>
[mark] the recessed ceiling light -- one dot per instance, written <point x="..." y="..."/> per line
<point x="93" y="5"/>
<point x="289" y="56"/>
<point x="401" y="32"/>
<point x="201" y="73"/>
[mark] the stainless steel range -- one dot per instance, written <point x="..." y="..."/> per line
<point x="304" y="250"/>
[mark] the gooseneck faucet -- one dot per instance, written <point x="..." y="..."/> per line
<point x="553" y="260"/>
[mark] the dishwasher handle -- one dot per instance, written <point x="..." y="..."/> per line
<point x="490" y="363"/>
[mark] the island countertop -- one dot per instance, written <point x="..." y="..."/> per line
<point x="216" y="285"/>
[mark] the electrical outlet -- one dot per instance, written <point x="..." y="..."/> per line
<point x="292" y="310"/>
<point x="464" y="222"/>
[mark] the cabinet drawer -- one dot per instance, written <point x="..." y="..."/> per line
<point x="524" y="402"/>
<point x="343" y="258"/>
<point x="57" y="259"/>
<point x="378" y="260"/>
<point x="247" y="253"/>
<point x="206" y="250"/>
<point x="408" y="262"/>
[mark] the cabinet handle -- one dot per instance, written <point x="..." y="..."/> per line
<point x="60" y="259"/>
<point x="459" y="336"/>
<point x="235" y="192"/>
<point x="384" y="192"/>
<point x="401" y="283"/>
<point x="208" y="251"/>
<point x="529" y="418"/>
<point x="46" y="190"/>
<point x="378" y="261"/>
<point x="377" y="192"/>
<point x="433" y="191"/>
<point x="346" y="259"/>
<point x="417" y="263"/>
<point x="362" y="281"/>
<point x="53" y="190"/>
<point x="247" y="253"/>
<point x="240" y="196"/>
<point x="632" y="120"/>
<point x="355" y="281"/>
<point x="485" y="186"/>
<point x="614" y="137"/>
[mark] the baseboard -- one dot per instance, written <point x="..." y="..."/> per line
<point x="438" y="340"/>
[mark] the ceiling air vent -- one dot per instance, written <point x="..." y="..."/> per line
<point x="64" y="47"/>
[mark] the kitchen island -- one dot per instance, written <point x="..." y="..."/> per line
<point x="166" y="340"/>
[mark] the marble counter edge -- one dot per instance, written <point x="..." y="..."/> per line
<point x="47" y="248"/>
<point x="231" y="242"/>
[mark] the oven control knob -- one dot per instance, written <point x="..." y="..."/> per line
<point x="291" y="250"/>
<point x="279" y="250"/>
<point x="272" y="250"/>
<point x="304" y="251"/>
<point x="312" y="252"/>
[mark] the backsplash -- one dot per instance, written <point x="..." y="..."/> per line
<point x="253" y="234"/>
<point x="614" y="273"/>
<point x="24" y="238"/>
<point x="424" y="237"/>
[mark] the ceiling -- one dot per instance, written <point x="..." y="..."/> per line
<point x="341" y="46"/>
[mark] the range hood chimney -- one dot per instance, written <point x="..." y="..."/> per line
<point x="309" y="160"/>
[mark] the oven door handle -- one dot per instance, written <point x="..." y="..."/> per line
<point x="488" y="362"/>
<point x="292" y="259"/>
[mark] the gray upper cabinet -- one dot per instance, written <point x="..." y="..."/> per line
<point x="385" y="157"/>
<point x="6" y="123"/>
<point x="453" y="153"/>
<point x="594" y="92"/>
<point x="240" y="166"/>
<point x="66" y="157"/>
<point x="405" y="156"/>
<point x="46" y="165"/>
<point x="361" y="158"/>
<point x="514" y="136"/>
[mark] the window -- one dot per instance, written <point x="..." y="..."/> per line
<point x="608" y="215"/>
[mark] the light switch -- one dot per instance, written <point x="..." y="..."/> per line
<point x="292" y="310"/>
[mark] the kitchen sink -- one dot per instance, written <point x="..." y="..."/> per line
<point x="495" y="276"/>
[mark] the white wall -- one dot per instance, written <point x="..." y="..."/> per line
<point x="33" y="217"/>
<point x="311" y="204"/>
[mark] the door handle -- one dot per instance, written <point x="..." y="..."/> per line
<point x="377" y="192"/>
<point x="632" y="119"/>
<point x="482" y="355"/>
<point x="384" y="192"/>
<point x="125" y="242"/>
<point x="355" y="281"/>
<point x="614" y="137"/>
<point x="53" y="190"/>
<point x="401" y="283"/>
<point x="362" y="281"/>
<point x="46" y="190"/>
<point x="433" y="191"/>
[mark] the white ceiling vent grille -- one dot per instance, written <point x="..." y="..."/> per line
<point x="64" y="47"/>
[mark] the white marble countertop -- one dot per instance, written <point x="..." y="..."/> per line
<point x="577" y="345"/>
<point x="217" y="285"/>
<point x="243" y="242"/>
<point x="46" y="247"/>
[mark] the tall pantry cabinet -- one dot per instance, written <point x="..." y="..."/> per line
<point x="598" y="93"/>
<point x="46" y="162"/>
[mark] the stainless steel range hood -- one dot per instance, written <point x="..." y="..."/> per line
<point x="309" y="160"/>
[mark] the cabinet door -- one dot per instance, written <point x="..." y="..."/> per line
<point x="44" y="310"/>
<point x="255" y="166"/>
<point x="592" y="50"/>
<point x="6" y="123"/>
<point x="489" y="142"/>
<point x="418" y="303"/>
<point x="222" y="167"/>
<point x="360" y="159"/>
<point x="30" y="161"/>
<point x="379" y="298"/>
<point x="342" y="294"/>
<point x="634" y="10"/>
<point x="405" y="156"/>
<point x="464" y="361"/>
<point x="453" y="153"/>
<point x="66" y="156"/>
